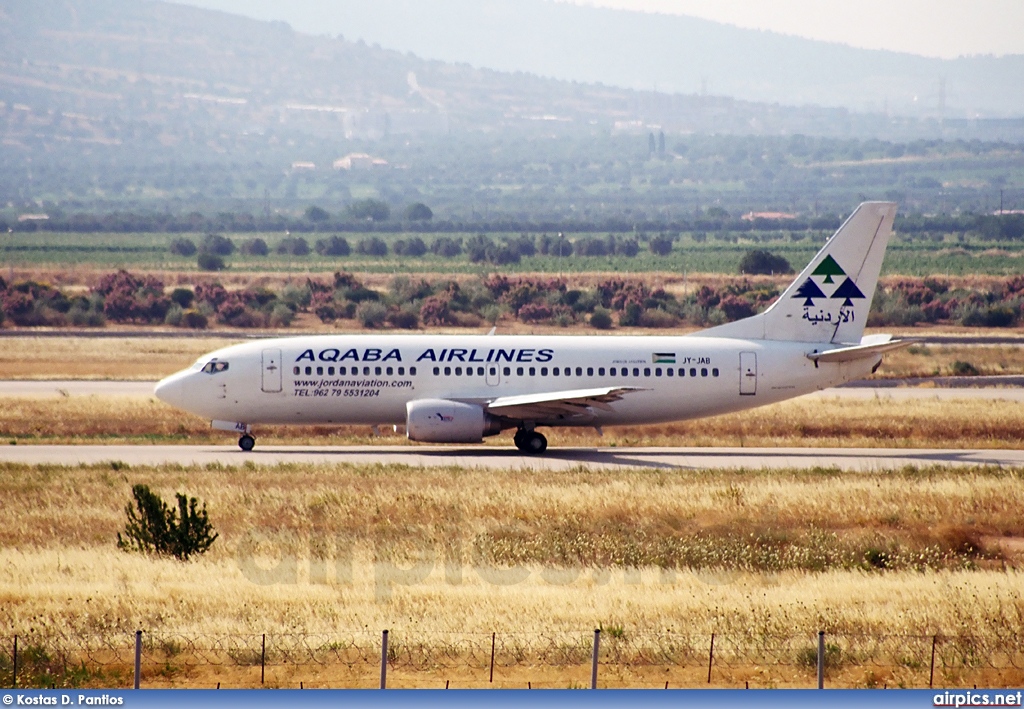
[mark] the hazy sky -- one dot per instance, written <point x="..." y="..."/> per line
<point x="934" y="28"/>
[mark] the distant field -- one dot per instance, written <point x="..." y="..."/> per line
<point x="150" y="252"/>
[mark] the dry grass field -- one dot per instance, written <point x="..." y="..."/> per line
<point x="322" y="558"/>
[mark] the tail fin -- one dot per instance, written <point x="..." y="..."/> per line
<point x="830" y="299"/>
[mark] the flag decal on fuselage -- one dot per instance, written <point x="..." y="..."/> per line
<point x="663" y="357"/>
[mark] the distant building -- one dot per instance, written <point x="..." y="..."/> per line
<point x="359" y="161"/>
<point x="303" y="166"/>
<point x="33" y="217"/>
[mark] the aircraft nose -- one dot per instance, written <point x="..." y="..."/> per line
<point x="171" y="390"/>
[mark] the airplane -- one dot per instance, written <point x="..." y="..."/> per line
<point x="463" y="388"/>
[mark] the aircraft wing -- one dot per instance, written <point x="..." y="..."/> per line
<point x="547" y="406"/>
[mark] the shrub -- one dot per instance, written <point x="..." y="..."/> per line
<point x="763" y="262"/>
<point x="153" y="527"/>
<point x="601" y="319"/>
<point x="404" y="319"/>
<point x="316" y="214"/>
<point x="446" y="247"/>
<point x="293" y="246"/>
<point x="210" y="262"/>
<point x="183" y="297"/>
<point x="372" y="246"/>
<point x="255" y="247"/>
<point x="217" y="244"/>
<point x="413" y="247"/>
<point x="660" y="245"/>
<point x="657" y="318"/>
<point x="194" y="319"/>
<point x="964" y="369"/>
<point x="333" y="246"/>
<point x="371" y="314"/>
<point x="183" y="247"/>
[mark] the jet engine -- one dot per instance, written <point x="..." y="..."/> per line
<point x="444" y="421"/>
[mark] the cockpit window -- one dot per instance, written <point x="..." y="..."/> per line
<point x="213" y="367"/>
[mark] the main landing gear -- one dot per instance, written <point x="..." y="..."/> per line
<point x="246" y="442"/>
<point x="530" y="442"/>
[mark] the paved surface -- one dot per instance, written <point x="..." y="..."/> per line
<point x="1009" y="391"/>
<point x="850" y="459"/>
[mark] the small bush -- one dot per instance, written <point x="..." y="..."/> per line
<point x="183" y="247"/>
<point x="153" y="527"/>
<point x="293" y="246"/>
<point x="763" y="262"/>
<point x="333" y="246"/>
<point x="601" y="319"/>
<point x="371" y="314"/>
<point x="964" y="369"/>
<point x="210" y="262"/>
<point x="255" y="247"/>
<point x="372" y="246"/>
<point x="217" y="244"/>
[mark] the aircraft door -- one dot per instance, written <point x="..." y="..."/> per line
<point x="272" y="371"/>
<point x="748" y="373"/>
<point x="493" y="376"/>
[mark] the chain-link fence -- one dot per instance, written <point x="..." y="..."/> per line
<point x="563" y="659"/>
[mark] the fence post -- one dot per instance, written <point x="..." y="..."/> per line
<point x="821" y="659"/>
<point x="384" y="660"/>
<point x="138" y="658"/>
<point x="711" y="656"/>
<point x="492" y="658"/>
<point x="14" y="676"/>
<point x="263" y="658"/>
<point x="931" y="671"/>
<point x="597" y="651"/>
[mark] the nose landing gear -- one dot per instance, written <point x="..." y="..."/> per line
<point x="530" y="442"/>
<point x="246" y="442"/>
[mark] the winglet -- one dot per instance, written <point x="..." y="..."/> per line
<point x="830" y="299"/>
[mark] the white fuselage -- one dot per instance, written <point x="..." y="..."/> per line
<point x="369" y="379"/>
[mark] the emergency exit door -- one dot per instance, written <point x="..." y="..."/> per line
<point x="748" y="373"/>
<point x="271" y="371"/>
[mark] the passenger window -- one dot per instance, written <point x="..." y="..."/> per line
<point x="682" y="372"/>
<point x="309" y="370"/>
<point x="657" y="371"/>
<point x="458" y="371"/>
<point x="295" y="370"/>
<point x="613" y="371"/>
<point x="533" y="371"/>
<point x="437" y="370"/>
<point x="492" y="371"/>
<point x="636" y="371"/>
<point x="507" y="371"/>
<point x="647" y="371"/>
<point x="389" y="371"/>
<point x="376" y="370"/>
<point x="479" y="371"/>
<point x="469" y="371"/>
<point x="447" y="371"/>
<point x="330" y="371"/>
<point x="319" y="371"/>
<point x="600" y="371"/>
<point x="590" y="371"/>
<point x="519" y="371"/>
<point x="366" y="371"/>
<point x="579" y="371"/>
<point x="412" y="371"/>
<point x="554" y="372"/>
<point x="543" y="371"/>
<point x="401" y="371"/>
<point x="704" y="372"/>
<point x="693" y="372"/>
<point x="670" y="371"/>
<point x="714" y="372"/>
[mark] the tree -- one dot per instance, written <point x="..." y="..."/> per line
<point x="418" y="212"/>
<point x="370" y="209"/>
<point x="153" y="527"/>
<point x="333" y="246"/>
<point x="183" y="247"/>
<point x="316" y="214"/>
<point x="660" y="245"/>
<point x="372" y="246"/>
<point x="210" y="262"/>
<point x="255" y="247"/>
<point x="764" y="262"/>
<point x="217" y="244"/>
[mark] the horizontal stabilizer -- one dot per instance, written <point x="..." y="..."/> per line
<point x="557" y="404"/>
<point x="861" y="351"/>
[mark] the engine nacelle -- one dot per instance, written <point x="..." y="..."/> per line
<point x="444" y="421"/>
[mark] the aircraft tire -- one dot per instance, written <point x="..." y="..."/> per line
<point x="247" y="443"/>
<point x="531" y="443"/>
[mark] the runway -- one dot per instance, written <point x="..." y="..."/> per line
<point x="508" y="458"/>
